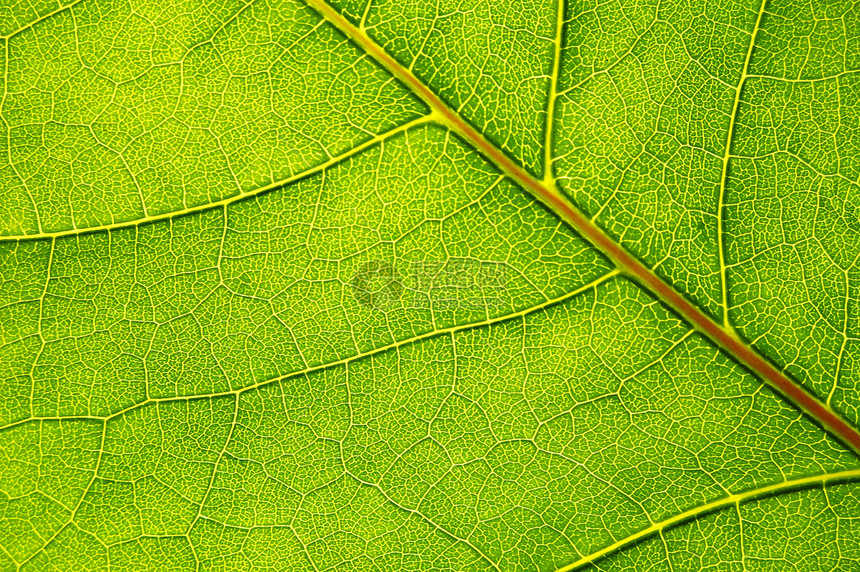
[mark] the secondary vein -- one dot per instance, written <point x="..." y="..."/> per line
<point x="342" y="361"/>
<point x="234" y="198"/>
<point x="713" y="506"/>
<point x="725" y="172"/>
<point x="548" y="176"/>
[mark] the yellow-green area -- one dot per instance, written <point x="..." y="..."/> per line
<point x="261" y="309"/>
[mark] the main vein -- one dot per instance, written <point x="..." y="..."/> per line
<point x="548" y="193"/>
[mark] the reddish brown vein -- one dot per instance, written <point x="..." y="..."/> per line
<point x="564" y="209"/>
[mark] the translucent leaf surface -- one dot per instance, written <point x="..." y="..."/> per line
<point x="481" y="285"/>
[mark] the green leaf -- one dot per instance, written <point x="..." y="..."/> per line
<point x="472" y="285"/>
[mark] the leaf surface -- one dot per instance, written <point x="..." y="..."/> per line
<point x="272" y="295"/>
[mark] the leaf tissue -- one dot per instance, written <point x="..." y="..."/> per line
<point x="462" y="285"/>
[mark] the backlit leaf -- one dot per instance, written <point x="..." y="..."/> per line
<point x="296" y="285"/>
